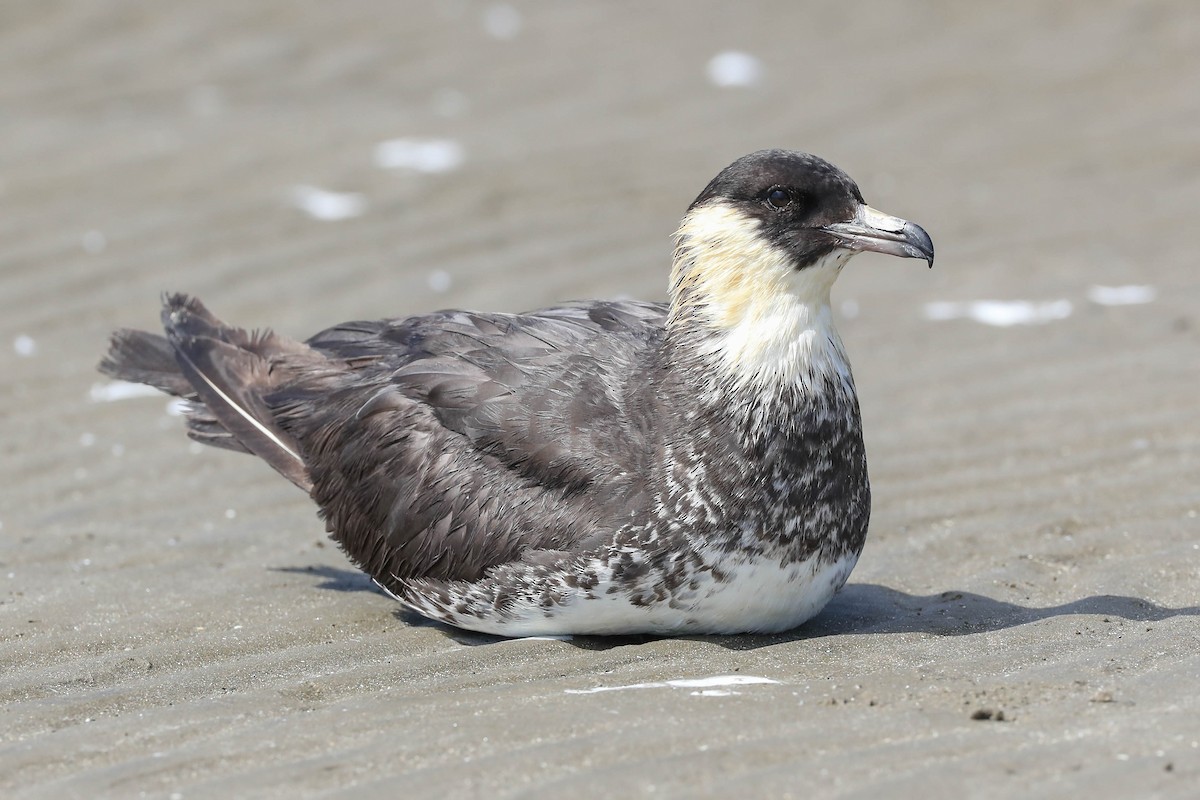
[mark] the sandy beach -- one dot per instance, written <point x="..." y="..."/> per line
<point x="1025" y="618"/>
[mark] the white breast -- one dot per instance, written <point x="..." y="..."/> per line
<point x="755" y="596"/>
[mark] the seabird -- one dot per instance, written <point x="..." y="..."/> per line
<point x="608" y="467"/>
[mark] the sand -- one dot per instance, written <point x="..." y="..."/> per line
<point x="1023" y="621"/>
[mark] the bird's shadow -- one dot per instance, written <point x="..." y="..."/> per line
<point x="860" y="608"/>
<point x="335" y="579"/>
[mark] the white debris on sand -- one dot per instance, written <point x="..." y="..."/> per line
<point x="682" y="683"/>
<point x="24" y="345"/>
<point x="1121" y="295"/>
<point x="419" y="155"/>
<point x="120" y="390"/>
<point x="326" y="205"/>
<point x="440" y="281"/>
<point x="733" y="68"/>
<point x="1001" y="313"/>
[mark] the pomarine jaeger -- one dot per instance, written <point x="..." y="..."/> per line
<point x="609" y="467"/>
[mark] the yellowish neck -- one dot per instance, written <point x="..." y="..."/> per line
<point x="749" y="310"/>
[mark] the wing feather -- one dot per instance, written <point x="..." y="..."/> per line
<point x="552" y="394"/>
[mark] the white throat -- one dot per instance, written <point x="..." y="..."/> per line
<point x="766" y="323"/>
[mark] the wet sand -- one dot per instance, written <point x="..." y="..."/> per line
<point x="1024" y="619"/>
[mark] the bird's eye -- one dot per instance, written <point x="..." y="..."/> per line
<point x="779" y="198"/>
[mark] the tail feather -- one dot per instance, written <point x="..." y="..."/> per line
<point x="229" y="380"/>
<point x="204" y="428"/>
<point x="225" y="373"/>
<point x="141" y="357"/>
<point x="147" y="358"/>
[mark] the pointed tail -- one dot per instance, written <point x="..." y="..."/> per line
<point x="225" y="373"/>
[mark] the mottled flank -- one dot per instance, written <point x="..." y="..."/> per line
<point x="607" y="467"/>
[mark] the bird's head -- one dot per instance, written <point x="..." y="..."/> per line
<point x="807" y="207"/>
<point x="760" y="248"/>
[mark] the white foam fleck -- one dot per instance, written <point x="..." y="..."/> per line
<point x="230" y="513"/>
<point x="120" y="390"/>
<point x="326" y="205"/>
<point x="440" y="281"/>
<point x="734" y="68"/>
<point x="682" y="683"/>
<point x="87" y="439"/>
<point x="502" y="21"/>
<point x="419" y="155"/>
<point x="94" y="242"/>
<point x="1121" y="295"/>
<point x="1001" y="313"/>
<point x="719" y="680"/>
<point x="24" y="345"/>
